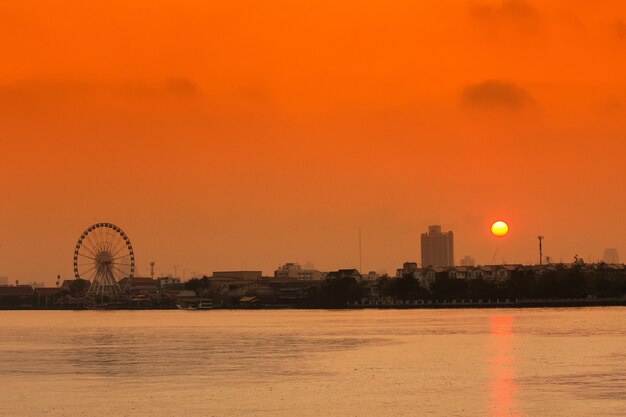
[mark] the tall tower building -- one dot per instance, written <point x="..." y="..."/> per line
<point x="611" y="256"/>
<point x="437" y="247"/>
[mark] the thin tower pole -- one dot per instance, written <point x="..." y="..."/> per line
<point x="540" y="250"/>
<point x="360" y="253"/>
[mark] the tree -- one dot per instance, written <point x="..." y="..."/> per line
<point x="407" y="287"/>
<point x="445" y="287"/>
<point x="337" y="292"/>
<point x="78" y="287"/>
<point x="199" y="285"/>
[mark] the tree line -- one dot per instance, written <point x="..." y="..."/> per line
<point x="564" y="282"/>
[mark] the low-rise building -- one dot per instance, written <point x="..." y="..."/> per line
<point x="370" y="276"/>
<point x="168" y="280"/>
<point x="407" y="268"/>
<point x="18" y="296"/>
<point x="344" y="273"/>
<point x="76" y="287"/>
<point x="49" y="296"/>
<point x="239" y="275"/>
<point x="294" y="271"/>
<point x="141" y="285"/>
<point x="287" y="292"/>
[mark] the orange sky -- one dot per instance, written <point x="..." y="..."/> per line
<point x="246" y="134"/>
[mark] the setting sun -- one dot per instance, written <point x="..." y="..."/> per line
<point x="500" y="229"/>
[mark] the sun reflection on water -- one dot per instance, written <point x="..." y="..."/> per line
<point x="503" y="388"/>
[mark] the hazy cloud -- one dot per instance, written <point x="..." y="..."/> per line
<point x="619" y="29"/>
<point x="496" y="94"/>
<point x="254" y="93"/>
<point x="176" y="87"/>
<point x="517" y="13"/>
<point x="612" y="106"/>
<point x="43" y="90"/>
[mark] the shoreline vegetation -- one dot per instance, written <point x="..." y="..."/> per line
<point x="555" y="285"/>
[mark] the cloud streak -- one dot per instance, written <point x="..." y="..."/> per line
<point x="497" y="94"/>
<point x="619" y="30"/>
<point x="39" y="89"/>
<point x="509" y="13"/>
<point x="181" y="87"/>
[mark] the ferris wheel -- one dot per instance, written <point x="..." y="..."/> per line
<point x="104" y="256"/>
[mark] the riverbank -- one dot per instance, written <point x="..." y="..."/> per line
<point x="388" y="305"/>
<point x="472" y="304"/>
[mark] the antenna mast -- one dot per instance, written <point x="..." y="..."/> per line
<point x="360" y="253"/>
<point x="540" y="250"/>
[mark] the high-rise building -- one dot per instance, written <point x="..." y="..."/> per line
<point x="437" y="247"/>
<point x="611" y="256"/>
<point x="468" y="261"/>
<point x="4" y="281"/>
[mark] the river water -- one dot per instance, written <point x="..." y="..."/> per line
<point x="517" y="362"/>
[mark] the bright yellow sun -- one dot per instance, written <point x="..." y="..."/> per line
<point x="500" y="228"/>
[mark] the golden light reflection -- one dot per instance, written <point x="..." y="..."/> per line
<point x="503" y="388"/>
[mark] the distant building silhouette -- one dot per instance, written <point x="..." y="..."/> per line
<point x="4" y="281"/>
<point x="345" y="273"/>
<point x="292" y="270"/>
<point x="468" y="261"/>
<point x="437" y="247"/>
<point x="611" y="256"/>
<point x="407" y="268"/>
<point x="371" y="276"/>
<point x="239" y="275"/>
<point x="167" y="280"/>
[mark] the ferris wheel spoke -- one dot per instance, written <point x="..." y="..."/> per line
<point x="119" y="267"/>
<point x="87" y="250"/>
<point x="121" y="246"/>
<point x="107" y="240"/>
<point x="85" y="256"/>
<point x="121" y="249"/>
<point x="117" y="247"/>
<point x="86" y="244"/>
<point x="99" y="240"/>
<point x="93" y="243"/>
<point x="102" y="237"/>
<point x="126" y="255"/>
<point x="121" y="273"/>
<point x="87" y="271"/>
<point x="113" y="241"/>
